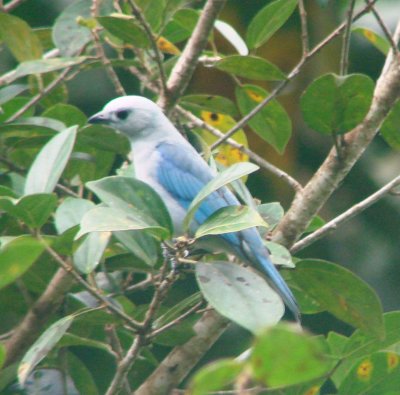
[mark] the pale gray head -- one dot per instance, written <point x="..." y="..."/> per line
<point x="134" y="116"/>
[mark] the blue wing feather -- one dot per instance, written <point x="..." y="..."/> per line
<point x="183" y="174"/>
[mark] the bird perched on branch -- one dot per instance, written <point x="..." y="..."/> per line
<point x="172" y="167"/>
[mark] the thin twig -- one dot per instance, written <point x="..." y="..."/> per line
<point x="344" y="57"/>
<point x="305" y="40"/>
<point x="11" y="5"/>
<point x="185" y="66"/>
<point x="253" y="156"/>
<point x="69" y="268"/>
<point x="21" y="170"/>
<point x="383" y="26"/>
<point x="295" y="71"/>
<point x="126" y="363"/>
<point x="102" y="55"/>
<point x="63" y="75"/>
<point x="157" y="53"/>
<point x="177" y="320"/>
<point x="347" y="215"/>
<point x="116" y="346"/>
<point x="29" y="329"/>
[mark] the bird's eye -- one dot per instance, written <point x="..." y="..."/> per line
<point x="122" y="114"/>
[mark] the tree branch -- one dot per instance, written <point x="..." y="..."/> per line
<point x="32" y="325"/>
<point x="184" y="68"/>
<point x="347" y="215"/>
<point x="331" y="173"/>
<point x="253" y="156"/>
<point x="175" y="367"/>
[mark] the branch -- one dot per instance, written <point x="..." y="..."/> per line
<point x="383" y="27"/>
<point x="253" y="156"/>
<point x="305" y="41"/>
<point x="347" y="215"/>
<point x="102" y="299"/>
<point x="31" y="326"/>
<point x="184" y="68"/>
<point x="179" y="362"/>
<point x="40" y="95"/>
<point x="139" y="16"/>
<point x="11" y="5"/>
<point x="331" y="173"/>
<point x="94" y="10"/>
<point x="126" y="363"/>
<point x="344" y="59"/>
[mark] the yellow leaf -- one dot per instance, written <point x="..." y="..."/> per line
<point x="167" y="47"/>
<point x="227" y="155"/>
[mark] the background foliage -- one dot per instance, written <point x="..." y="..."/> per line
<point x="88" y="303"/>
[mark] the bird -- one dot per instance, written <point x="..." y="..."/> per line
<point x="166" y="161"/>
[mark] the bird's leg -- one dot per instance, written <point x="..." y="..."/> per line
<point x="178" y="252"/>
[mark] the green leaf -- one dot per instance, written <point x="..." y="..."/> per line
<point x="66" y="113"/>
<point x="126" y="29"/>
<point x="19" y="38"/>
<point x="177" y="310"/>
<point x="215" y="376"/>
<point x="280" y="255"/>
<point x="272" y="213"/>
<point x="316" y="223"/>
<point x="153" y="11"/>
<point x="69" y="339"/>
<point x="2" y="355"/>
<point x="125" y="193"/>
<point x="33" y="210"/>
<point x="104" y="138"/>
<point x="390" y="129"/>
<point x="212" y="103"/>
<point x="9" y="92"/>
<point x="68" y="35"/>
<point x="374" y="38"/>
<point x="268" y="21"/>
<point x="272" y="123"/>
<point x="70" y="213"/>
<point x="284" y="349"/>
<point x="240" y="294"/>
<point x="12" y="106"/>
<point x="50" y="163"/>
<point x="341" y="293"/>
<point x="334" y="104"/>
<point x="230" y="174"/>
<point x="81" y="376"/>
<point x="375" y="375"/>
<point x="107" y="219"/>
<point x="143" y="247"/>
<point x="361" y="345"/>
<point x="45" y="66"/>
<point x="42" y="347"/>
<point x="250" y="67"/>
<point x="17" y="256"/>
<point x="37" y="124"/>
<point x="88" y="255"/>
<point x="230" y="219"/>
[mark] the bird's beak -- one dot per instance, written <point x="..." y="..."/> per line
<point x="100" y="117"/>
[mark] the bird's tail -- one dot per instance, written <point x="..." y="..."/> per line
<point x="279" y="284"/>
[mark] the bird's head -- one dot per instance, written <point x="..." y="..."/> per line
<point x="134" y="116"/>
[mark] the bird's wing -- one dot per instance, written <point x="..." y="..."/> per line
<point x="183" y="174"/>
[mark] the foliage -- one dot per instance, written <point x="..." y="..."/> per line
<point x="94" y="289"/>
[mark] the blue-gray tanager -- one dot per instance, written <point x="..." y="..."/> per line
<point x="164" y="160"/>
